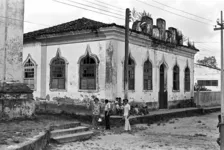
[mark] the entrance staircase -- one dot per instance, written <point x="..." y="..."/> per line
<point x="70" y="133"/>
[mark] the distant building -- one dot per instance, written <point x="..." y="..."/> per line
<point x="208" y="77"/>
<point x="82" y="58"/>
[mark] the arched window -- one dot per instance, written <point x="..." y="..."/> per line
<point x="176" y="76"/>
<point x="87" y="73"/>
<point x="187" y="79"/>
<point x="147" y="75"/>
<point x="131" y="74"/>
<point x="29" y="73"/>
<point x="57" y="73"/>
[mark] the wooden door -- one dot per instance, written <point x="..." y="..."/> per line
<point x="162" y="88"/>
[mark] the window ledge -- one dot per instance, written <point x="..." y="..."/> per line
<point x="88" y="91"/>
<point x="130" y="91"/>
<point x="176" y="90"/>
<point x="187" y="91"/>
<point x="58" y="90"/>
<point x="147" y="90"/>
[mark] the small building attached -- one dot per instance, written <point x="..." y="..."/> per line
<point x="207" y="77"/>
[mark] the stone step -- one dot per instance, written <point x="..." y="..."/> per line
<point x="65" y="126"/>
<point x="60" y="132"/>
<point x="74" y="137"/>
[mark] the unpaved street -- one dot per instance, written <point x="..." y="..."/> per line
<point x="193" y="133"/>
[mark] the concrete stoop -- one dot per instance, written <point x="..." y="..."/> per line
<point x="70" y="133"/>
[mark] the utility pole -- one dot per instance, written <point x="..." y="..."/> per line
<point x="5" y="42"/>
<point x="127" y="20"/>
<point x="221" y="24"/>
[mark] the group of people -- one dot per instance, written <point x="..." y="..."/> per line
<point x="96" y="111"/>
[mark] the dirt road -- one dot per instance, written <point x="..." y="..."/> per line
<point x="193" y="133"/>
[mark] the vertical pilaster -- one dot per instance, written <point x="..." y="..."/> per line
<point x="43" y="78"/>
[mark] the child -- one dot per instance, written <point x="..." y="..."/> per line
<point x="218" y="126"/>
<point x="95" y="113"/>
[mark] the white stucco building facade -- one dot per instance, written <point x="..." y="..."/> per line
<point x="92" y="58"/>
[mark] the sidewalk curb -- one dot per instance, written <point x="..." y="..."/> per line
<point x="149" y="119"/>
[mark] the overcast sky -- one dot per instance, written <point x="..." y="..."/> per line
<point x="47" y="13"/>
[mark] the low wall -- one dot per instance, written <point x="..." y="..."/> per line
<point x="53" y="107"/>
<point x="38" y="142"/>
<point x="83" y="109"/>
<point x="207" y="98"/>
<point x="16" y="106"/>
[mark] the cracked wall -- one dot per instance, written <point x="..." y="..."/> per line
<point x="16" y="105"/>
<point x="11" y="41"/>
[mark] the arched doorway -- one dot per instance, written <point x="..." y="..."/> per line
<point x="162" y="87"/>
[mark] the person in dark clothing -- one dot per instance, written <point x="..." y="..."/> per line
<point x="107" y="114"/>
<point x="218" y="126"/>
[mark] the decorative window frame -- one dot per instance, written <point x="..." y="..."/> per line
<point x="147" y="58"/>
<point x="58" y="55"/>
<point x="122" y="62"/>
<point x="176" y="64"/>
<point x="94" y="56"/>
<point x="35" y="70"/>
<point x="187" y="66"/>
<point x="163" y="61"/>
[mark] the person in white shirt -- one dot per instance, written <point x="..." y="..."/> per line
<point x="107" y="114"/>
<point x="127" y="108"/>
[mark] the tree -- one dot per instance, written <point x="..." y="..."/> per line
<point x="138" y="15"/>
<point x="200" y="88"/>
<point x="208" y="61"/>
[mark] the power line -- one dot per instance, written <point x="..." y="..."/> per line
<point x="206" y="45"/>
<point x="24" y="21"/>
<point x="206" y="42"/>
<point x="104" y="6"/>
<point x="173" y="13"/>
<point x="95" y="8"/>
<point x="110" y="5"/>
<point x="203" y="47"/>
<point x="88" y="9"/>
<point x="181" y="10"/>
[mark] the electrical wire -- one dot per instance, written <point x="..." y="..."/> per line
<point x="95" y="8"/>
<point x="25" y="21"/>
<point x="181" y="10"/>
<point x="208" y="42"/>
<point x="110" y="5"/>
<point x="88" y="9"/>
<point x="104" y="6"/>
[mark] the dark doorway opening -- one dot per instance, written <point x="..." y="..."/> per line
<point x="162" y="88"/>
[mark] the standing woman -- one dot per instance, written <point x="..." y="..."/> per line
<point x="107" y="114"/>
<point x="127" y="108"/>
<point x="96" y="113"/>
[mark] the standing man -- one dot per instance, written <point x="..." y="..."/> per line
<point x="107" y="114"/>
<point x="127" y="108"/>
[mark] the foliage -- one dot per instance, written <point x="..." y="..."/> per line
<point x="190" y="44"/>
<point x="200" y="88"/>
<point x="179" y="37"/>
<point x="208" y="61"/>
<point x="138" y="15"/>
